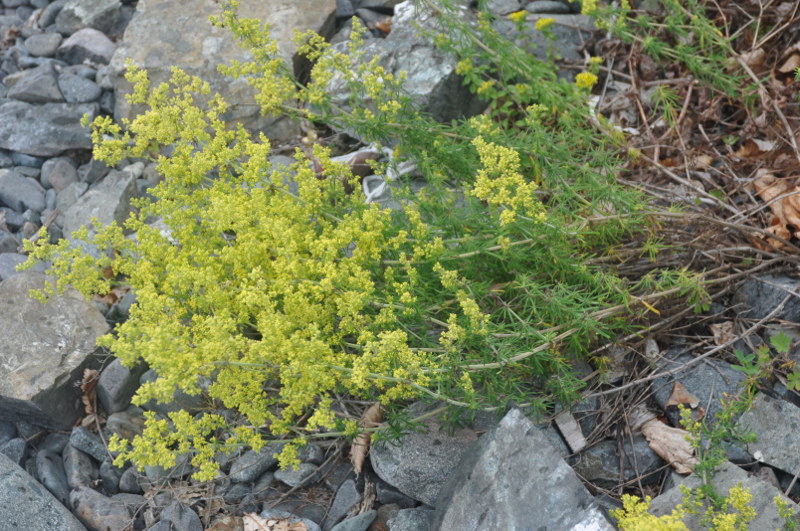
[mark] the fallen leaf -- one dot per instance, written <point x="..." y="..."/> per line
<point x="254" y="522"/>
<point x="88" y="390"/>
<point x="754" y="147"/>
<point x="681" y="395"/>
<point x="571" y="431"/>
<point x="723" y="332"/>
<point x="671" y="445"/>
<point x="360" y="447"/>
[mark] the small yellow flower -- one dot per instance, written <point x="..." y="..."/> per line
<point x="485" y="86"/>
<point x="589" y="7"/>
<point x="544" y="23"/>
<point x="585" y="80"/>
<point x="518" y="16"/>
<point x="595" y="60"/>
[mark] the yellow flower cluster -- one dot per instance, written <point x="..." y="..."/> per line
<point x="518" y="16"/>
<point x="544" y="24"/>
<point x="586" y="80"/>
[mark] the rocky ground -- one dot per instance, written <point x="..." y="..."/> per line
<point x="63" y="59"/>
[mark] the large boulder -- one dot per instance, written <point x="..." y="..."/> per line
<point x="27" y="505"/>
<point x="44" y="349"/>
<point x="514" y="479"/>
<point x="165" y="33"/>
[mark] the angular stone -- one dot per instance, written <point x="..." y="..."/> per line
<point x="99" y="512"/>
<point x="110" y="476"/>
<point x="117" y="384"/>
<point x="776" y="424"/>
<point x="181" y="517"/>
<point x="44" y="349"/>
<point x="177" y="32"/>
<point x="600" y="464"/>
<point x="43" y="44"/>
<point x="357" y="523"/>
<point x="127" y="424"/>
<point x="58" y="173"/>
<point x="86" y="45"/>
<point x="251" y="464"/>
<point x="79" y="468"/>
<point x="412" y="520"/>
<point x="9" y="263"/>
<point x="37" y="85"/>
<point x="88" y="442"/>
<point x="44" y="130"/>
<point x="346" y="497"/>
<point x="296" y="476"/>
<point x="570" y="32"/>
<point x="512" y="478"/>
<point x="26" y="505"/>
<point x="78" y="89"/>
<point x="758" y="297"/>
<point x="79" y="14"/>
<point x="108" y="201"/>
<point x="418" y="464"/>
<point x="15" y="449"/>
<point x="726" y="477"/>
<point x="20" y="193"/>
<point x="431" y="73"/>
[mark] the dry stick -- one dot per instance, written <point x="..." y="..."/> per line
<point x="698" y="359"/>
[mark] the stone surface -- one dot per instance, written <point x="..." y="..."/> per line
<point x="58" y="173"/>
<point x="88" y="442"/>
<point x="600" y="464"/>
<point x="9" y="263"/>
<point x="15" y="449"/>
<point x="78" y="89"/>
<point x="419" y="463"/>
<point x="346" y="497"/>
<point x="78" y="14"/>
<point x="165" y="33"/>
<point x="86" y="45"/>
<point x="24" y="500"/>
<point x="292" y="519"/>
<point x="758" y="297"/>
<point x="20" y="193"/>
<point x="44" y="130"/>
<point x="117" y="384"/>
<point x="79" y="468"/>
<point x="357" y="523"/>
<point x="250" y="465"/>
<point x="547" y="6"/>
<point x="296" y="476"/>
<point x="43" y="352"/>
<point x="570" y="32"/>
<point x="708" y="381"/>
<point x="98" y="512"/>
<point x="50" y="469"/>
<point x="43" y="44"/>
<point x="181" y="517"/>
<point x="431" y="78"/>
<point x="412" y="520"/>
<point x="513" y="479"/>
<point x="37" y="85"/>
<point x="727" y="476"/>
<point x="108" y="201"/>
<point x="776" y="424"/>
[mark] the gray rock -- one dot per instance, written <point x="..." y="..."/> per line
<point x="357" y="523"/>
<point x="296" y="476"/>
<point x="89" y="443"/>
<point x="547" y="6"/>
<point x="570" y="32"/>
<point x="50" y="469"/>
<point x="98" y="512"/>
<point x="776" y="424"/>
<point x="8" y="431"/>
<point x="513" y="479"/>
<point x="758" y="297"/>
<point x="388" y="495"/>
<point x="127" y="424"/>
<point x="26" y="503"/>
<point x="8" y="244"/>
<point x="77" y="89"/>
<point x="346" y="497"/>
<point x="20" y="193"/>
<point x="44" y="130"/>
<point x="292" y="519"/>
<point x="600" y="464"/>
<point x="69" y="196"/>
<point x="15" y="449"/>
<point x="235" y="492"/>
<point x="299" y="505"/>
<point x="165" y="33"/>
<point x="181" y="399"/>
<point x="108" y="201"/>
<point x="86" y="45"/>
<point x="37" y="85"/>
<point x="48" y="16"/>
<point x="251" y="465"/>
<point x="181" y="517"/>
<point x="419" y="519"/>
<point x="54" y="442"/>
<point x="9" y="263"/>
<point x="78" y="14"/>
<point x="709" y="381"/>
<point x="93" y="171"/>
<point x="117" y="384"/>
<point x="502" y="7"/>
<point x="43" y="44"/>
<point x="130" y="481"/>
<point x="311" y="453"/>
<point x="726" y="477"/>
<point x="79" y="468"/>
<point x="21" y="159"/>
<point x="110" y="476"/>
<point x="44" y="349"/>
<point x="419" y="463"/>
<point x="431" y="77"/>
<point x="58" y="173"/>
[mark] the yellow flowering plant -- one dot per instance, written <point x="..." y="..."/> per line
<point x="283" y="289"/>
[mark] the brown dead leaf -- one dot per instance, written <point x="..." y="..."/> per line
<point x="790" y="64"/>
<point x="671" y="444"/>
<point x="755" y="59"/>
<point x="723" y="332"/>
<point x="754" y="147"/>
<point x="254" y="522"/>
<point x="786" y="209"/>
<point x="681" y="395"/>
<point x="228" y="523"/>
<point x="384" y="25"/>
<point x="360" y="448"/>
<point x="89" y="391"/>
<point x="703" y="162"/>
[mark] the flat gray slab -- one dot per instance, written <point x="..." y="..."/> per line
<point x="514" y="479"/>
<point x="44" y="349"/>
<point x="728" y="476"/>
<point x="26" y="504"/>
<point x="776" y="423"/>
<point x="44" y="130"/>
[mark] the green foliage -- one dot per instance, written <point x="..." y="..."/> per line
<point x="282" y="289"/>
